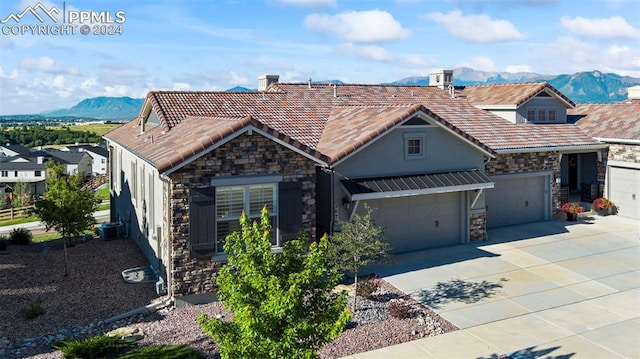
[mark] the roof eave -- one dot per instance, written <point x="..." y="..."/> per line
<point x="626" y="141"/>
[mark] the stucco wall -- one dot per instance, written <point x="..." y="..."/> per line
<point x="245" y="155"/>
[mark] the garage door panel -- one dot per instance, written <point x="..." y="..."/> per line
<point x="516" y="200"/>
<point x="624" y="185"/>
<point x="419" y="222"/>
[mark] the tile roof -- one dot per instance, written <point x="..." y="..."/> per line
<point x="514" y="94"/>
<point x="327" y="122"/>
<point x="611" y="120"/>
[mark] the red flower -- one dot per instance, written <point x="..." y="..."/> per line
<point x="602" y="203"/>
<point x="572" y="207"/>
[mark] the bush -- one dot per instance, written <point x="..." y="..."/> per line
<point x="399" y="309"/>
<point x="366" y="288"/>
<point x="4" y="241"/>
<point x="100" y="346"/>
<point x="164" y="351"/>
<point x="34" y="311"/>
<point x="21" y="236"/>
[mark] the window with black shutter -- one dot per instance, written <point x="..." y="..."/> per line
<point x="202" y="220"/>
<point x="290" y="214"/>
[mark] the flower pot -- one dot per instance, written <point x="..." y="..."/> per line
<point x="605" y="212"/>
<point x="572" y="217"/>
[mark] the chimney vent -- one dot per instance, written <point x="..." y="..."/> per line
<point x="633" y="93"/>
<point x="265" y="80"/>
<point x="309" y="84"/>
<point x="441" y="78"/>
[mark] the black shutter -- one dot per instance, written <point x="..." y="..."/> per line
<point x="290" y="213"/>
<point x="202" y="219"/>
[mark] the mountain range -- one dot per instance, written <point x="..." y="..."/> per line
<point x="581" y="87"/>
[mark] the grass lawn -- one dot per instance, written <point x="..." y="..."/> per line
<point x="10" y="222"/>
<point x="98" y="128"/>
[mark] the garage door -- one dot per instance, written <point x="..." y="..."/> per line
<point x="515" y="201"/>
<point x="418" y="222"/>
<point x="624" y="190"/>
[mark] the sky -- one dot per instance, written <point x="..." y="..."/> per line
<point x="133" y="47"/>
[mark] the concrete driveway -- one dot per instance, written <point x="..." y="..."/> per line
<point x="544" y="290"/>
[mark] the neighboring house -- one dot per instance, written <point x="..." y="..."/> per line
<point x="437" y="169"/>
<point x="581" y="159"/>
<point x="19" y="169"/>
<point x="617" y="124"/>
<point x="74" y="162"/>
<point x="10" y="150"/>
<point x="99" y="157"/>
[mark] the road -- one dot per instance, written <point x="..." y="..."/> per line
<point x="38" y="227"/>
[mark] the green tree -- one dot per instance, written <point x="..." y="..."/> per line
<point x="67" y="206"/>
<point x="360" y="242"/>
<point x="283" y="304"/>
<point x="20" y="195"/>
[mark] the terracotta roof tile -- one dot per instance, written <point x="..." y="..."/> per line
<point x="325" y="121"/>
<point x="611" y="120"/>
<point x="509" y="94"/>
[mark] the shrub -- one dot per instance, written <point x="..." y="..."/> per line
<point x="4" y="241"/>
<point x="164" y="351"/>
<point x="399" y="309"/>
<point x="100" y="346"/>
<point x="366" y="288"/>
<point x="34" y="311"/>
<point x="21" y="236"/>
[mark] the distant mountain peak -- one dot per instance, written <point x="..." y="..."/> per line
<point x="103" y="108"/>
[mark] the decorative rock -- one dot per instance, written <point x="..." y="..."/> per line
<point x="129" y="333"/>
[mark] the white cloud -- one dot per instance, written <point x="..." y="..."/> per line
<point x="10" y="76"/>
<point x="483" y="63"/>
<point x="42" y="64"/>
<point x="475" y="28"/>
<point x="358" y="26"/>
<point x="371" y="52"/>
<point x="615" y="27"/>
<point x="6" y="43"/>
<point x="310" y="3"/>
<point x="518" y="68"/>
<point x="181" y="86"/>
<point x="571" y="55"/>
<point x="117" y="91"/>
<point x="237" y="80"/>
<point x="57" y="82"/>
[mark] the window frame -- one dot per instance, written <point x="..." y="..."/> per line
<point x="410" y="137"/>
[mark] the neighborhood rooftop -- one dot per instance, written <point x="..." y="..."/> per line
<point x="326" y="121"/>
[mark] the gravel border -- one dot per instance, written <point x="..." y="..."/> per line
<point x="79" y="303"/>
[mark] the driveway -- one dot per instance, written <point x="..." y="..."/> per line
<point x="544" y="290"/>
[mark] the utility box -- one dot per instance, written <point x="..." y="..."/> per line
<point x="110" y="231"/>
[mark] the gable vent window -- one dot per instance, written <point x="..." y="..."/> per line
<point x="542" y="115"/>
<point x="414" y="145"/>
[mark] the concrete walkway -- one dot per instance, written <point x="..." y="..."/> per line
<point x="544" y="290"/>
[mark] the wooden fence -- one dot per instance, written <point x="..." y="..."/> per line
<point x="15" y="213"/>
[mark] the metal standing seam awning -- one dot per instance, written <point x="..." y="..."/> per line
<point x="414" y="185"/>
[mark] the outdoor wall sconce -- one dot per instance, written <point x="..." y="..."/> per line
<point x="345" y="202"/>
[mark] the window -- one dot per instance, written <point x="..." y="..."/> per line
<point x="15" y="173"/>
<point x="414" y="146"/>
<point x="38" y="173"/>
<point x="104" y="160"/>
<point x="5" y="173"/>
<point x="233" y="200"/>
<point x="542" y="115"/>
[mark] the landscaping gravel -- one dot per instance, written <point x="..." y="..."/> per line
<point x="76" y="306"/>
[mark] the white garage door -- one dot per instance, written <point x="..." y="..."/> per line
<point x="515" y="201"/>
<point x="419" y="222"/>
<point x="624" y="190"/>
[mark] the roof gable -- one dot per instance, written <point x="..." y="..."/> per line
<point x="512" y="94"/>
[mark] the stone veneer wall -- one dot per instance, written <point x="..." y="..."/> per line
<point x="478" y="226"/>
<point x="245" y="155"/>
<point x="511" y="163"/>
<point x="624" y="153"/>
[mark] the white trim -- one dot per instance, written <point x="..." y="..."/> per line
<point x="227" y="139"/>
<point x="633" y="165"/>
<point x="520" y="175"/>
<point x="244" y="180"/>
<point x="618" y="140"/>
<point x="564" y="149"/>
<point x="423" y="116"/>
<point x="418" y="192"/>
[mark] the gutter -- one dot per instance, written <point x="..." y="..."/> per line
<point x="578" y="148"/>
<point x="619" y="140"/>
